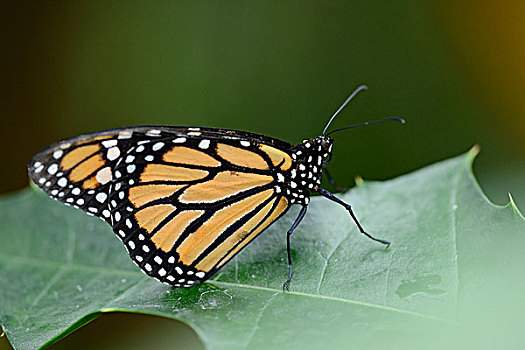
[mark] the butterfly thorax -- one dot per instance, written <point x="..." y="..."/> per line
<point x="305" y="175"/>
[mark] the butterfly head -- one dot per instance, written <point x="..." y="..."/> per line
<point x="310" y="157"/>
<point x="321" y="148"/>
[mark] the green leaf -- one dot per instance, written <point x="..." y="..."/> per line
<point x="452" y="251"/>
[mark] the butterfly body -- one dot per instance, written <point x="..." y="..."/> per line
<point x="183" y="200"/>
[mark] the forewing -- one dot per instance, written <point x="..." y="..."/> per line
<point x="184" y="201"/>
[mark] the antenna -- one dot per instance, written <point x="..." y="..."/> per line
<point x="356" y="91"/>
<point x="402" y="121"/>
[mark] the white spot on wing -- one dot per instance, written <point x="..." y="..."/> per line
<point x="104" y="175"/>
<point x="204" y="144"/>
<point x="157" y="146"/>
<point x="125" y="135"/>
<point x="153" y="132"/>
<point x="109" y="143"/>
<point x="58" y="154"/>
<point x="101" y="197"/>
<point x="52" y="169"/>
<point x="113" y="153"/>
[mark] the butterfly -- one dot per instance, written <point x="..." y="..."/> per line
<point x="185" y="200"/>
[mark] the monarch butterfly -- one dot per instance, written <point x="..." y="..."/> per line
<point x="186" y="200"/>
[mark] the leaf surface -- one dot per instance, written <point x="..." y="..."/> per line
<point x="59" y="269"/>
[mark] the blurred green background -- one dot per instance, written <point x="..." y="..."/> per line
<point x="453" y="70"/>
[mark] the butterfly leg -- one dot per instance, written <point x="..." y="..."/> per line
<point x="332" y="181"/>
<point x="348" y="207"/>
<point x="288" y="250"/>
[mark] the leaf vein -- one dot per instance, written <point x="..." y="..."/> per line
<point x="258" y="319"/>
<point x="332" y="298"/>
<point x="44" y="290"/>
<point x="327" y="260"/>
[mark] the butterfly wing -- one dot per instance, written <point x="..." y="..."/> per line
<point x="184" y="201"/>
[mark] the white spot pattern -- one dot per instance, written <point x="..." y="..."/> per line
<point x="62" y="182"/>
<point x="113" y="153"/>
<point x="104" y="175"/>
<point x="157" y="146"/>
<point x="109" y="143"/>
<point x="52" y="169"/>
<point x="101" y="197"/>
<point x="58" y="154"/>
<point x="204" y="144"/>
